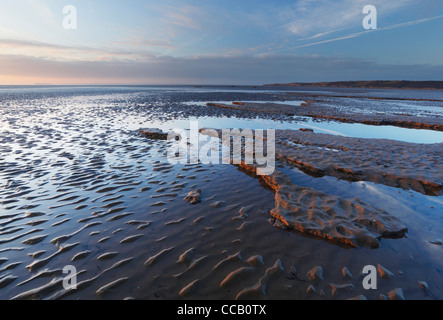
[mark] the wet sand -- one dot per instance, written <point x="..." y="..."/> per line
<point x="82" y="186"/>
<point x="357" y="112"/>
<point x="399" y="164"/>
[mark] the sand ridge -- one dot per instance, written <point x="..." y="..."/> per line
<point x="398" y="164"/>
<point x="346" y="221"/>
<point x="353" y="111"/>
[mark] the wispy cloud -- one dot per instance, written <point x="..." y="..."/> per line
<point x="410" y="23"/>
<point x="140" y="42"/>
<point x="212" y="41"/>
<point x="44" y="12"/>
<point x="207" y="70"/>
<point x="174" y="19"/>
<point x="307" y="18"/>
<point x="185" y="16"/>
<point x="357" y="34"/>
<point x="65" y="53"/>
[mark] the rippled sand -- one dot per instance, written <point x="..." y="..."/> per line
<point x="81" y="186"/>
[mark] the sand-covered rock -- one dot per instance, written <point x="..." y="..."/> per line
<point x="154" y="133"/>
<point x="318" y="107"/>
<point x="405" y="165"/>
<point x="346" y="221"/>
<point x="409" y="166"/>
<point x="194" y="197"/>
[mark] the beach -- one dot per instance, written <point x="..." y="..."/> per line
<point x="85" y="181"/>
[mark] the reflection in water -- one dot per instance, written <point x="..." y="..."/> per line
<point x="79" y="186"/>
<point x="355" y="130"/>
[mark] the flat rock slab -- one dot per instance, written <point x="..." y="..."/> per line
<point x="154" y="133"/>
<point x="346" y="221"/>
<point x="409" y="166"/>
<point x="194" y="197"/>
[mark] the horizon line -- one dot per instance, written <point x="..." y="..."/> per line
<point x="209" y="85"/>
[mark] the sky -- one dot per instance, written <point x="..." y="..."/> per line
<point x="218" y="41"/>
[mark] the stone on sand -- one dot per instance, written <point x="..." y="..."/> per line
<point x="154" y="133"/>
<point x="194" y="197"/>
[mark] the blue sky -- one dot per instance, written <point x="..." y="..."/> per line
<point x="219" y="42"/>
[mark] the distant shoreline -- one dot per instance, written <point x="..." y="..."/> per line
<point x="378" y="84"/>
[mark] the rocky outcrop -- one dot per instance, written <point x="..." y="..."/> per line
<point x="398" y="164"/>
<point x="194" y="197"/>
<point x="346" y="221"/>
<point x="154" y="133"/>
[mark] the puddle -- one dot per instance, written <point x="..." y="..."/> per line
<point x="417" y="211"/>
<point x="355" y="130"/>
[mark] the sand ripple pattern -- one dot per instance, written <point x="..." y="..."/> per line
<point x="80" y="186"/>
<point x="72" y="172"/>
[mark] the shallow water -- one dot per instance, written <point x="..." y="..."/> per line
<point x="355" y="130"/>
<point x="79" y="186"/>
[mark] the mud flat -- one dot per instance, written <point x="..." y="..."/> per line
<point x="346" y="221"/>
<point x="393" y="163"/>
<point x="403" y="120"/>
<point x="379" y="112"/>
<point x="82" y="186"/>
<point x="319" y="107"/>
<point x="388" y="162"/>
